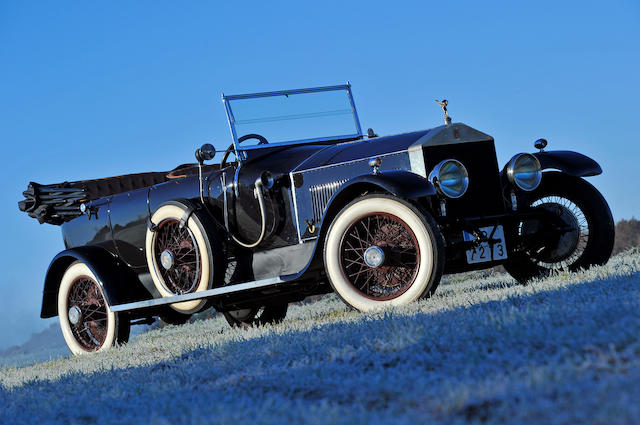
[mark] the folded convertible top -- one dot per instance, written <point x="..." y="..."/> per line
<point x="60" y="202"/>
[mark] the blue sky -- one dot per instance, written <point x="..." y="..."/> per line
<point x="95" y="89"/>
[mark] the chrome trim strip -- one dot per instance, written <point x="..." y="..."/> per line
<point x="451" y="134"/>
<point x="416" y="159"/>
<point x="223" y="182"/>
<point x="283" y="92"/>
<point x="236" y="176"/>
<point x="197" y="295"/>
<point x="230" y="120"/>
<point x="295" y="206"/>
<point x="350" y="161"/>
<point x="353" y="109"/>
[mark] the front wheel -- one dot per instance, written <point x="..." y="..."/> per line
<point x="381" y="250"/>
<point x="577" y="230"/>
<point x="87" y="322"/>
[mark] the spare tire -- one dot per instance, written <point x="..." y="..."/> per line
<point x="182" y="255"/>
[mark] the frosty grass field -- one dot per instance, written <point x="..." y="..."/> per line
<point x="562" y="350"/>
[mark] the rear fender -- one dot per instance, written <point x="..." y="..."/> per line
<point x="572" y="163"/>
<point x="119" y="283"/>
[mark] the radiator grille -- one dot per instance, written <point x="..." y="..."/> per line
<point x="320" y="196"/>
<point x="484" y="196"/>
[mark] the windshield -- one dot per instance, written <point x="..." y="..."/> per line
<point x="323" y="113"/>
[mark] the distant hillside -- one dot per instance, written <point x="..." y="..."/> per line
<point x="42" y="346"/>
<point x="627" y="235"/>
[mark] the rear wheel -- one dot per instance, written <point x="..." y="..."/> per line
<point x="381" y="250"/>
<point x="256" y="316"/>
<point x="172" y="317"/>
<point x="577" y="232"/>
<point x="87" y="322"/>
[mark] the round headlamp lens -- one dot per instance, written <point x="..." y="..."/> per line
<point x="451" y="178"/>
<point x="524" y="171"/>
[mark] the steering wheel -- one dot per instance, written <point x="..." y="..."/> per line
<point x="261" y="141"/>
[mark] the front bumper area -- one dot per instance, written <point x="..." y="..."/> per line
<point x="456" y="247"/>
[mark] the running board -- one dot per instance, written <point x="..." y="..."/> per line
<point x="197" y="295"/>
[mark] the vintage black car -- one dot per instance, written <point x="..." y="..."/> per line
<point x="303" y="203"/>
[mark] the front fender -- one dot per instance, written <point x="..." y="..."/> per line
<point x="119" y="283"/>
<point x="402" y="184"/>
<point x="572" y="163"/>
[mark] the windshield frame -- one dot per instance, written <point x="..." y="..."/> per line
<point x="231" y="118"/>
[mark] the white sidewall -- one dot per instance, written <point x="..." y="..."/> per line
<point x="342" y="223"/>
<point x="174" y="211"/>
<point x="73" y="272"/>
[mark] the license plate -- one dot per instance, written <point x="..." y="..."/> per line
<point x="483" y="252"/>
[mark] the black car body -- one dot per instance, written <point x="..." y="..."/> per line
<point x="263" y="220"/>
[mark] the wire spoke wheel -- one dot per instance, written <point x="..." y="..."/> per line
<point x="183" y="254"/>
<point x="570" y="243"/>
<point x="573" y="229"/>
<point x="395" y="241"/>
<point x="176" y="250"/>
<point x="87" y="323"/>
<point x="90" y="329"/>
<point x="381" y="250"/>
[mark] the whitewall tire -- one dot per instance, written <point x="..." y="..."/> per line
<point x="381" y="250"/>
<point x="88" y="324"/>
<point x="179" y="257"/>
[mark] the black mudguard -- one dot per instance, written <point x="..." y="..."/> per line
<point x="119" y="283"/>
<point x="572" y="163"/>
<point x="403" y="184"/>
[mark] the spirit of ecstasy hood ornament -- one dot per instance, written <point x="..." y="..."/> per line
<point x="443" y="105"/>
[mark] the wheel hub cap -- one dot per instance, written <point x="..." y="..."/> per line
<point x="568" y="241"/>
<point x="242" y="315"/>
<point x="75" y="314"/>
<point x="166" y="258"/>
<point x="374" y="256"/>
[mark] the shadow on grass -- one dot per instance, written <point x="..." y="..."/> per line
<point x="466" y="364"/>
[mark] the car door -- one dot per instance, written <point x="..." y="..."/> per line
<point x="243" y="207"/>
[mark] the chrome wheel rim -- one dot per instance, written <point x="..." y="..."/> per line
<point x="243" y="315"/>
<point x="393" y="239"/>
<point x="178" y="257"/>
<point x="89" y="324"/>
<point x="572" y="244"/>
